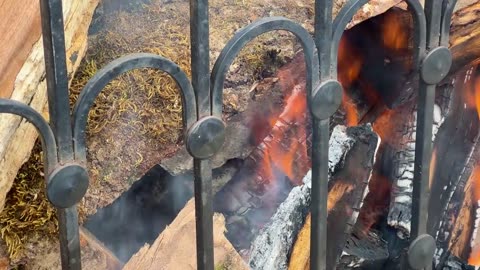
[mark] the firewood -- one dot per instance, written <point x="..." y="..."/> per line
<point x="175" y="247"/>
<point x="104" y="255"/>
<point x="454" y="200"/>
<point x="23" y="73"/>
<point x="271" y="247"/>
<point x="347" y="187"/>
<point x="465" y="36"/>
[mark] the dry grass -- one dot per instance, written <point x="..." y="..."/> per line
<point x="27" y="211"/>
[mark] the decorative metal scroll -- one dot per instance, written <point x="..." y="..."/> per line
<point x="63" y="140"/>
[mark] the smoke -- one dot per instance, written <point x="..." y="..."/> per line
<point x="142" y="213"/>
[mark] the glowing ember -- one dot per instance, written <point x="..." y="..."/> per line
<point x="472" y="91"/>
<point x="350" y="63"/>
<point x="477" y="95"/>
<point x="335" y="194"/>
<point x="474" y="258"/>
<point x="384" y="126"/>
<point x="433" y="164"/>
<point x="394" y="35"/>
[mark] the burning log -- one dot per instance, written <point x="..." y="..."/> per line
<point x="272" y="246"/>
<point x="401" y="156"/>
<point x="173" y="248"/>
<point x="453" y="204"/>
<point x="347" y="186"/>
<point x="465" y="36"/>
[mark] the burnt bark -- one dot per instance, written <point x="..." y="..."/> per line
<point x="456" y="140"/>
<point x="347" y="186"/>
<point x="452" y="216"/>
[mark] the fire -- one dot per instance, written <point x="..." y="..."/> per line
<point x="350" y="63"/>
<point x="474" y="258"/>
<point x="285" y="150"/>
<point x="477" y="95"/>
<point x="472" y="92"/>
<point x="336" y="193"/>
<point x="433" y="164"/>
<point x="384" y="126"/>
<point x="394" y="36"/>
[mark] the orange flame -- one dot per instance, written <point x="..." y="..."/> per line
<point x="349" y="66"/>
<point x="285" y="149"/>
<point x="474" y="258"/>
<point x="336" y="193"/>
<point x="433" y="164"/>
<point x="472" y="94"/>
<point x="477" y="95"/>
<point x="394" y="37"/>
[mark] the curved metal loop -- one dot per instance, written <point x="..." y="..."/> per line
<point x="446" y="21"/>
<point x="114" y="69"/>
<point x="346" y="15"/>
<point x="49" y="144"/>
<point x="247" y="34"/>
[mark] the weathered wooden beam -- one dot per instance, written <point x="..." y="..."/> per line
<point x="22" y="73"/>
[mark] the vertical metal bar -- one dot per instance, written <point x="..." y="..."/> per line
<point x="199" y="36"/>
<point x="59" y="109"/>
<point x="433" y="15"/>
<point x="423" y="148"/>
<point x="203" y="214"/>
<point x="323" y="36"/>
<point x="318" y="237"/>
<point x="319" y="193"/>
<point x="56" y="74"/>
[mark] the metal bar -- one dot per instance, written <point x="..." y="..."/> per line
<point x="59" y="109"/>
<point x="448" y="7"/>
<point x="423" y="148"/>
<point x="69" y="238"/>
<point x="203" y="213"/>
<point x="199" y="36"/>
<point x="323" y="34"/>
<point x="46" y="135"/>
<point x="433" y="14"/>
<point x="200" y="63"/>
<point x="318" y="237"/>
<point x="320" y="138"/>
<point x="56" y="75"/>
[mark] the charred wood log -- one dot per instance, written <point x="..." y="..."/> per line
<point x="272" y="246"/>
<point x="347" y="187"/>
<point x="457" y="138"/>
<point x="278" y="163"/>
<point x="403" y="165"/>
<point x="465" y="36"/>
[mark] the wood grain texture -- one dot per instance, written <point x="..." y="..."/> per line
<point x="16" y="136"/>
<point x="175" y="246"/>
<point x="20" y="29"/>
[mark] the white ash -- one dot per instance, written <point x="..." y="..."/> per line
<point x="476" y="226"/>
<point x="271" y="248"/>
<point x="400" y="207"/>
<point x="366" y="191"/>
<point x="340" y="143"/>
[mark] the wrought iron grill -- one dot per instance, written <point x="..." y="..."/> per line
<point x="63" y="139"/>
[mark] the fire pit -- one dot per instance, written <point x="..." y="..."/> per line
<point x="382" y="176"/>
